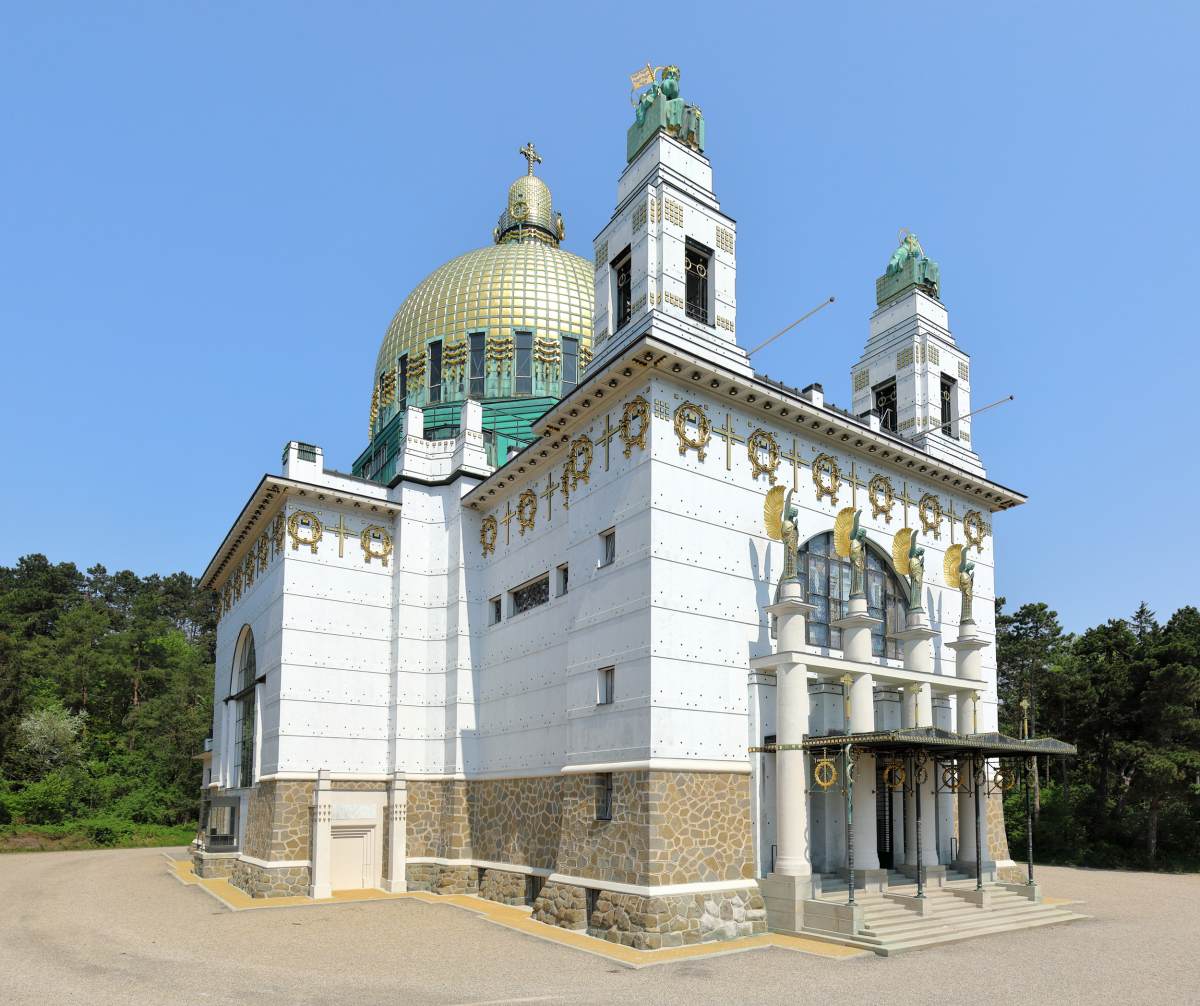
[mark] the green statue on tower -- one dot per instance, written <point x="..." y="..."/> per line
<point x="657" y="105"/>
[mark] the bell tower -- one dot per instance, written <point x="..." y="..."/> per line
<point x="912" y="373"/>
<point x="666" y="260"/>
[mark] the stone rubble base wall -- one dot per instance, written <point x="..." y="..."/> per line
<point x="677" y="920"/>
<point x="212" y="869"/>
<point x="562" y="905"/>
<point x="504" y="886"/>
<point x="271" y="882"/>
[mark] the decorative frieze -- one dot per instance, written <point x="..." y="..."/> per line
<point x="673" y="212"/>
<point x="724" y="240"/>
<point x="861" y="379"/>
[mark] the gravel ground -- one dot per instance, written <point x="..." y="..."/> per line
<point x="113" y="927"/>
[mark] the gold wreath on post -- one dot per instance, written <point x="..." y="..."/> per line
<point x="950" y="778"/>
<point x="758" y="441"/>
<point x="882" y="497"/>
<point x="827" y="477"/>
<point x="375" y="534"/>
<point x="488" y="531"/>
<point x="690" y="412"/>
<point x="825" y="773"/>
<point x="637" y="409"/>
<point x="303" y="521"/>
<point x="527" y="510"/>
<point x="1004" y="779"/>
<point x="930" y="511"/>
<point x="894" y="775"/>
<point x="974" y="529"/>
<point x="581" y="450"/>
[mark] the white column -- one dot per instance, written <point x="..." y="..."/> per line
<point x="791" y="699"/>
<point x="908" y="718"/>
<point x="322" y="838"/>
<point x="918" y="658"/>
<point x="862" y="720"/>
<point x="397" y="811"/>
<point x="968" y="661"/>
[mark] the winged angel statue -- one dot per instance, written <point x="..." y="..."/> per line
<point x="779" y="519"/>
<point x="909" y="560"/>
<point x="960" y="573"/>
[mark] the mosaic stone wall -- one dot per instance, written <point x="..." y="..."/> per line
<point x="617" y="850"/>
<point x="438" y="820"/>
<point x="516" y="820"/>
<point x="503" y="886"/>
<point x="997" y="836"/>
<point x="261" y="882"/>
<point x="701" y="825"/>
<point x="678" y="920"/>
<point x="279" y="820"/>
<point x="422" y="876"/>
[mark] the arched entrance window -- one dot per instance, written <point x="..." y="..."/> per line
<point x="241" y="694"/>
<point x="826" y="580"/>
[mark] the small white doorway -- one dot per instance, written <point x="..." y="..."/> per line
<point x="351" y="861"/>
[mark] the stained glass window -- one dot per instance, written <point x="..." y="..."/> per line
<point x="531" y="595"/>
<point x="524" y="369"/>
<point x="826" y="581"/>
<point x="242" y="696"/>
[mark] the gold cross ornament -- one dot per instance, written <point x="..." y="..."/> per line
<point x="730" y="437"/>
<point x="529" y="152"/>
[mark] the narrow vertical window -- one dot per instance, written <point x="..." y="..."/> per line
<point x="435" y="371"/>
<point x="523" y="374"/>
<point x="604" y="686"/>
<point x="402" y="382"/>
<point x="563" y="579"/>
<point x="570" y="365"/>
<point x="623" y="293"/>
<point x="608" y="547"/>
<point x="244" y="713"/>
<point x="604" y="796"/>
<point x="947" y="405"/>
<point x="885" y="405"/>
<point x="696" y="263"/>
<point x="495" y="611"/>
<point x="477" y="358"/>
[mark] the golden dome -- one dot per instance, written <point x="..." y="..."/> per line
<point x="528" y="285"/>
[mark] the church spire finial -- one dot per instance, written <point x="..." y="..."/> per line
<point x="529" y="152"/>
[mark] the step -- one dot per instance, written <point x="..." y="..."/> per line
<point x="901" y="946"/>
<point x="931" y="924"/>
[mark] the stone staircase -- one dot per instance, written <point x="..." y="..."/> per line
<point x="891" y="925"/>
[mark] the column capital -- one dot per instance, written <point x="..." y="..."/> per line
<point x="790" y="606"/>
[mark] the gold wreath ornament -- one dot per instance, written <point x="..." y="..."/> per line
<point x="900" y="546"/>
<point x="690" y="412"/>
<point x="894" y="776"/>
<point x="930" y="511"/>
<point x="827" y="477"/>
<point x="488" y="530"/>
<point x="882" y="497"/>
<point x="974" y="529"/>
<point x="825" y="773"/>
<point x="527" y="510"/>
<point x="758" y="441"/>
<point x="375" y="534"/>
<point x="302" y="522"/>
<point x="950" y="778"/>
<point x="950" y="564"/>
<point x="842" y="527"/>
<point x="636" y="410"/>
<point x="1004" y="779"/>
<point x="581" y="451"/>
<point x="773" y="504"/>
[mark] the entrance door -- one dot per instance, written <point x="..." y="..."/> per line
<point x="884" y="818"/>
<point x="350" y="859"/>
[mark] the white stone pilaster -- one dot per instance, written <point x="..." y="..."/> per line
<point x="397" y="850"/>
<point x="322" y="838"/>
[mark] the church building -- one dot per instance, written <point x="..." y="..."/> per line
<point x="604" y="622"/>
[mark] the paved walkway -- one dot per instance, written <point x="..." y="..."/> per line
<point x="116" y="927"/>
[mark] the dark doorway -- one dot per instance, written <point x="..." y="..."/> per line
<point x="884" y="818"/>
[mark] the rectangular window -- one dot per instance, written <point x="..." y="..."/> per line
<point x="570" y="365"/>
<point x="402" y="382"/>
<point x="592" y="900"/>
<point x="523" y="374"/>
<point x="608" y="547"/>
<point x="532" y="594"/>
<point x="622" y="272"/>
<point x="885" y="405"/>
<point x="563" y="579"/>
<point x="947" y="404"/>
<point x="221" y="826"/>
<point x="477" y="365"/>
<point x="696" y="265"/>
<point x="494" y="611"/>
<point x="435" y="371"/>
<point x="604" y="686"/>
<point x="604" y="796"/>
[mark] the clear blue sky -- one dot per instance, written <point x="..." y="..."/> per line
<point x="209" y="213"/>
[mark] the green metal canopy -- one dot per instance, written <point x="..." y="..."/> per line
<point x="989" y="744"/>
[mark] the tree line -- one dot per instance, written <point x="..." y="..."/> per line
<point x="105" y="699"/>
<point x="1127" y="695"/>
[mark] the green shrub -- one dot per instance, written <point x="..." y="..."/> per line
<point x="106" y="831"/>
<point x="46" y="801"/>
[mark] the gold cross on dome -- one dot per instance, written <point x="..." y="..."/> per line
<point x="529" y="152"/>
